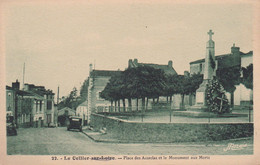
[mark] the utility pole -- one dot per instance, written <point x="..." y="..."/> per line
<point x="23" y="73"/>
<point x="58" y="93"/>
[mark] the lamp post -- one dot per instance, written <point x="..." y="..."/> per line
<point x="249" y="114"/>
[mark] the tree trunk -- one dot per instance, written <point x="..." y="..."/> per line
<point x="232" y="99"/>
<point x="130" y="104"/>
<point x="111" y="108"/>
<point x="171" y="102"/>
<point x="124" y="105"/>
<point x="182" y="101"/>
<point x="115" y="105"/>
<point x="190" y="99"/>
<point x="143" y="103"/>
<point x="118" y="105"/>
<point x="136" y="104"/>
<point x="158" y="99"/>
<point x="147" y="99"/>
<point x="167" y="99"/>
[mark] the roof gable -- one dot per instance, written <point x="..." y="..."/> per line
<point x="85" y="103"/>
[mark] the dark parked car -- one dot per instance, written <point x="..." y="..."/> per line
<point x="75" y="123"/>
<point x="10" y="126"/>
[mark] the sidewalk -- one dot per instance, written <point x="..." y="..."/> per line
<point x="109" y="138"/>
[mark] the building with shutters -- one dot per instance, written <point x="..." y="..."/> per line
<point x="32" y="107"/>
<point x="242" y="95"/>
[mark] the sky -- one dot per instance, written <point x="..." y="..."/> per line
<point x="57" y="42"/>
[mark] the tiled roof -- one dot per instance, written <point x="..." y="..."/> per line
<point x="246" y="54"/>
<point x="85" y="103"/>
<point x="223" y="56"/>
<point x="30" y="94"/>
<point x="104" y="73"/>
<point x="39" y="89"/>
<point x="165" y="68"/>
<point x="216" y="57"/>
<point x="70" y="111"/>
<point x="168" y="69"/>
<point x="8" y="87"/>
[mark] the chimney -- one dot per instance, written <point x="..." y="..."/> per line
<point x="90" y="68"/>
<point x="236" y="55"/>
<point x="186" y="73"/>
<point x="135" y="61"/>
<point x="130" y="63"/>
<point x="170" y="63"/>
<point x="16" y="85"/>
<point x="235" y="50"/>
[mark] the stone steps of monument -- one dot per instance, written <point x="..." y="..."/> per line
<point x="206" y="114"/>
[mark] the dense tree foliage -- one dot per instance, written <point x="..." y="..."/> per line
<point x="135" y="83"/>
<point x="229" y="78"/>
<point x="247" y="78"/>
<point x="71" y="101"/>
<point x="147" y="82"/>
<point x="184" y="85"/>
<point x="84" y="90"/>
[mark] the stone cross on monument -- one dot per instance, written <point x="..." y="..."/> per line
<point x="209" y="68"/>
<point x="210" y="33"/>
<point x="209" y="72"/>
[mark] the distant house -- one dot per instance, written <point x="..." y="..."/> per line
<point x="10" y="100"/>
<point x="63" y="115"/>
<point x="32" y="106"/>
<point x="66" y="111"/>
<point x="242" y="95"/>
<point x="98" y="80"/>
<point x="82" y="111"/>
<point x="168" y="69"/>
<point x="47" y="104"/>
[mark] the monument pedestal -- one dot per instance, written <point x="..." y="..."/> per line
<point x="201" y="105"/>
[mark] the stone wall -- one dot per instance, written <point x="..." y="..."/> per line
<point x="170" y="132"/>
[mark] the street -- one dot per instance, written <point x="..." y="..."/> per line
<point x="59" y="141"/>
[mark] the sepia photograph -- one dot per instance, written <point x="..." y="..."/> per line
<point x="128" y="81"/>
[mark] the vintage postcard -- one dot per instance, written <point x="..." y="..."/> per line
<point x="144" y="82"/>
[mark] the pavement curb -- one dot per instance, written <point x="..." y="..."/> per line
<point x="206" y="143"/>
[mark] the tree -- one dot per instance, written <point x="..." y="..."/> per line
<point x="140" y="82"/>
<point x="172" y="86"/>
<point x="247" y="78"/>
<point x="84" y="90"/>
<point x="229" y="78"/>
<point x="184" y="85"/>
<point x="144" y="82"/>
<point x="113" y="90"/>
<point x="71" y="101"/>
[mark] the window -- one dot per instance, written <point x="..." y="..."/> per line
<point x="40" y="106"/>
<point x="49" y="104"/>
<point x="36" y="103"/>
<point x="98" y="96"/>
